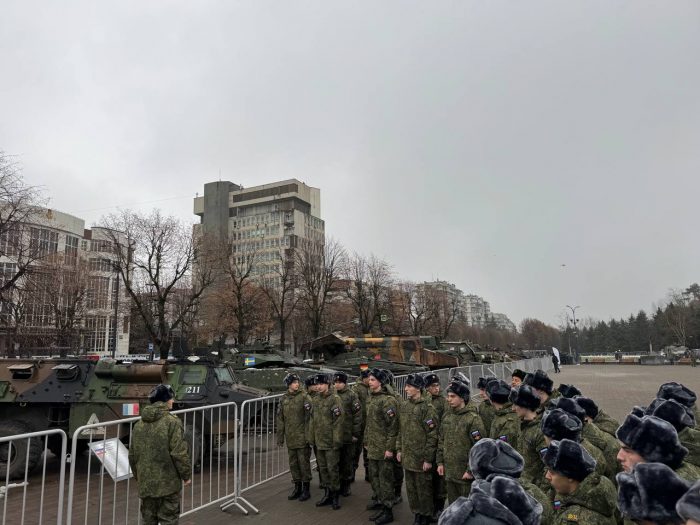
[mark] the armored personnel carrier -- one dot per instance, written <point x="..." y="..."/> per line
<point x="38" y="394"/>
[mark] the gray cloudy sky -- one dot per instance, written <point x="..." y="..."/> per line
<point x="482" y="142"/>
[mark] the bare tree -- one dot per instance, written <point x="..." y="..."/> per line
<point x="320" y="268"/>
<point x="677" y="315"/>
<point x="369" y="280"/>
<point x="446" y="309"/>
<point x="160" y="262"/>
<point x="280" y="288"/>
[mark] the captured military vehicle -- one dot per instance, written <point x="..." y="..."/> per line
<point x="37" y="394"/>
<point x="399" y="354"/>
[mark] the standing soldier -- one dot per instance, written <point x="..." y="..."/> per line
<point x="159" y="459"/>
<point x="398" y="469"/>
<point x="327" y="432"/>
<point x="531" y="441"/>
<point x="361" y="388"/>
<point x="506" y="425"/>
<point x="439" y="402"/>
<point x="381" y="434"/>
<point x="460" y="429"/>
<point x="416" y="450"/>
<point x="485" y="408"/>
<point x="293" y="417"/>
<point x="352" y="421"/>
<point x="543" y="387"/>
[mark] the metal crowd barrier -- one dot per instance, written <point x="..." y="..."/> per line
<point x="101" y="488"/>
<point x="26" y="498"/>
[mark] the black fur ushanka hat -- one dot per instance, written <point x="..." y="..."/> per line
<point x="498" y="391"/>
<point x="684" y="395"/>
<point x="539" y="380"/>
<point x="570" y="406"/>
<point x="652" y="438"/>
<point x="688" y="507"/>
<point x="569" y="459"/>
<point x="460" y="389"/>
<point x="525" y="397"/>
<point x="588" y="405"/>
<point x="512" y="495"/>
<point x="493" y="456"/>
<point x="680" y="416"/>
<point x="569" y="390"/>
<point x="558" y="425"/>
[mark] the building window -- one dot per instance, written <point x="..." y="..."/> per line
<point x="95" y="334"/>
<point x="100" y="265"/>
<point x="71" y="250"/>
<point x="98" y="293"/>
<point x="100" y="246"/>
<point x="9" y="241"/>
<point x="43" y="241"/>
<point x="125" y="325"/>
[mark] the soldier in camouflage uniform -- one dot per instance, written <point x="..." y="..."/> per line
<point x="683" y="421"/>
<point x="416" y="450"/>
<point x="439" y="402"/>
<point x="603" y="421"/>
<point x="516" y="377"/>
<point x="485" y="408"/>
<point x="543" y="387"/>
<point x="293" y="416"/>
<point x="381" y="434"/>
<point x="505" y="425"/>
<point x="327" y="434"/>
<point x="361" y="388"/>
<point x="159" y="459"/>
<point x="531" y="442"/>
<point x="684" y="395"/>
<point x="460" y="428"/>
<point x="398" y="469"/>
<point x="352" y="425"/>
<point x="581" y="495"/>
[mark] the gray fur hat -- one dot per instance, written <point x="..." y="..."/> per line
<point x="512" y="495"/>
<point x="569" y="459"/>
<point x="539" y="380"/>
<point x="498" y="391"/>
<point x="688" y="507"/>
<point x="684" y="395"/>
<point x="680" y="416"/>
<point x="558" y="425"/>
<point x="523" y="396"/>
<point x="650" y="492"/>
<point x="478" y="509"/>
<point x="569" y="406"/>
<point x="493" y="456"/>
<point x="652" y="438"/>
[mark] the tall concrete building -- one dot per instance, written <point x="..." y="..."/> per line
<point x="266" y="220"/>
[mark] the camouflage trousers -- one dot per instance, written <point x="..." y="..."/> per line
<point x="328" y="472"/>
<point x="300" y="463"/>
<point x="419" y="488"/>
<point x="346" y="461"/>
<point x="381" y="476"/>
<point x="164" y="510"/>
<point x="455" y="489"/>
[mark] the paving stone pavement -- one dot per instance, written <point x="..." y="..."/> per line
<point x="616" y="388"/>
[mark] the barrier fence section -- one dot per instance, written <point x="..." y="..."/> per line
<point x="101" y="488"/>
<point x="23" y="497"/>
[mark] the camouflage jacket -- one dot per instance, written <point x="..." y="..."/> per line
<point x="601" y="466"/>
<point x="542" y="498"/>
<point x="382" y="429"/>
<point x="688" y="472"/>
<point x="606" y="423"/>
<point x="593" y="503"/>
<point x="159" y="455"/>
<point x="293" y="415"/>
<point x="352" y="409"/>
<point x="486" y="412"/>
<point x="530" y="445"/>
<point x="459" y="430"/>
<point x="326" y="426"/>
<point x="506" y="425"/>
<point x="548" y="404"/>
<point x="690" y="439"/>
<point x="608" y="445"/>
<point x="418" y="434"/>
<point x="362" y="392"/>
<point x="440" y="405"/>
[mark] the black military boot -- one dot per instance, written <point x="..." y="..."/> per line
<point x="374" y="505"/>
<point x="326" y="499"/>
<point x="296" y="492"/>
<point x="386" y="517"/>
<point x="335" y="496"/>
<point x="345" y="488"/>
<point x="377" y="514"/>
<point x="305" y="494"/>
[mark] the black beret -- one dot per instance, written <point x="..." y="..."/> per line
<point x="340" y="377"/>
<point x="460" y="389"/>
<point x="688" y="507"/>
<point x="587" y="404"/>
<point x="525" y="397"/>
<point x="568" y="390"/>
<point x="161" y="393"/>
<point x="570" y="406"/>
<point x="364" y="373"/>
<point x="478" y="509"/>
<point x="652" y="438"/>
<point x="431" y="379"/>
<point x="539" y="380"/>
<point x="680" y="416"/>
<point x="569" y="459"/>
<point x="483" y="381"/>
<point x="498" y="391"/>
<point x="676" y="391"/>
<point x="650" y="493"/>
<point x="518" y="373"/>
<point x="290" y="378"/>
<point x="513" y="496"/>
<point x="415" y="381"/>
<point x="380" y="375"/>
<point x="558" y="425"/>
<point x="493" y="456"/>
<point x="322" y="379"/>
<point x="310" y="381"/>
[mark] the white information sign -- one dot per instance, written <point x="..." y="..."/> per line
<point x="114" y="456"/>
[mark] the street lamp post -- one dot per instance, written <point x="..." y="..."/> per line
<point x="574" y="320"/>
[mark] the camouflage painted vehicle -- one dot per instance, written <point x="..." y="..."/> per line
<point x="399" y="354"/>
<point x="40" y="394"/>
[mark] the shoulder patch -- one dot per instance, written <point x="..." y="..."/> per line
<point x="307" y="406"/>
<point x="476" y="435"/>
<point x="430" y="423"/>
<point x="543" y="451"/>
<point x="356" y="407"/>
<point x="336" y="411"/>
<point x="571" y="517"/>
<point x="503" y="438"/>
<point x="391" y="412"/>
<point x="556" y="504"/>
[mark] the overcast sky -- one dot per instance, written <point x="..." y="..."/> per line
<point x="485" y="143"/>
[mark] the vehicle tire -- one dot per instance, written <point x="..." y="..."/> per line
<point x="13" y="455"/>
<point x="193" y="437"/>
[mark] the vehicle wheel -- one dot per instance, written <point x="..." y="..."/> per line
<point x="13" y="454"/>
<point x="193" y="437"/>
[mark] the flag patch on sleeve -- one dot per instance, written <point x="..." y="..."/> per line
<point x="503" y="438"/>
<point x="336" y="411"/>
<point x="391" y="412"/>
<point x="476" y="435"/>
<point x="430" y="423"/>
